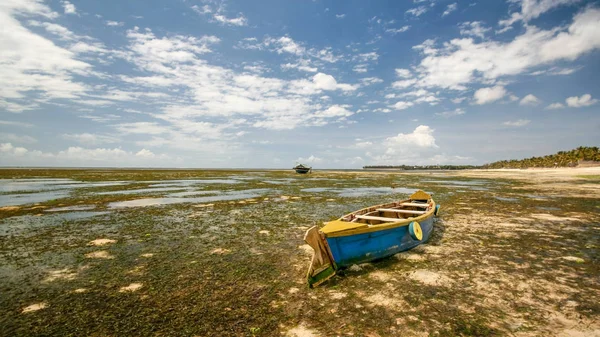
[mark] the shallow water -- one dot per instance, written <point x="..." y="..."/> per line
<point x="225" y="196"/>
<point x="506" y="199"/>
<point x="360" y="191"/>
<point x="190" y="182"/>
<point x="71" y="208"/>
<point x="33" y="185"/>
<point x="142" y="190"/>
<point x="31" y="198"/>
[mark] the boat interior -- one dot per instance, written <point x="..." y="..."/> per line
<point x="393" y="212"/>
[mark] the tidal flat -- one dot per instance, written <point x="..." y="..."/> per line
<point x="111" y="252"/>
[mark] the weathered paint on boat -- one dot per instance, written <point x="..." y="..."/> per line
<point x="360" y="237"/>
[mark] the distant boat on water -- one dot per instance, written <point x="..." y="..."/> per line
<point x="302" y="169"/>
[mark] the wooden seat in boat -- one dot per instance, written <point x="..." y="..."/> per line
<point x="414" y="204"/>
<point x="402" y="211"/>
<point x="380" y="218"/>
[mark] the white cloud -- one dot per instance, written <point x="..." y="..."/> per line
<point x="474" y="28"/>
<point x="370" y="80"/>
<point x="340" y="16"/>
<point x="458" y="100"/>
<point x="334" y="111"/>
<point x="556" y="71"/>
<point x="145" y="128"/>
<point x="14" y="138"/>
<point x="239" y="21"/>
<point x="9" y="150"/>
<point x="449" y="9"/>
<point x="488" y="95"/>
<point x="554" y="106"/>
<point x="114" y="23"/>
<point x="328" y="82"/>
<point x="448" y="114"/>
<point x="83" y="157"/>
<point x="517" y="123"/>
<point x="145" y="154"/>
<point x="421" y="137"/>
<point x="366" y="57"/>
<point x="395" y="31"/>
<point x="403" y="73"/>
<point x="302" y="65"/>
<point x="360" y="68"/>
<point x="530" y="100"/>
<point x="416" y="148"/>
<point x="578" y="102"/>
<point x="33" y="64"/>
<point x="401" y="105"/>
<point x="258" y="68"/>
<point x="462" y="61"/>
<point x="311" y="160"/>
<point x="417" y="11"/>
<point x="531" y="9"/>
<point x="404" y="148"/>
<point x="202" y="10"/>
<point x="69" y="7"/>
<point x="217" y="15"/>
<point x="285" y="44"/>
<point x="403" y="84"/>
<point x="384" y="110"/>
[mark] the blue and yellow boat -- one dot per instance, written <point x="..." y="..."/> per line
<point x="369" y="234"/>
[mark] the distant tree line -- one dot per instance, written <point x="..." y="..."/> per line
<point x="589" y="154"/>
<point x="561" y="159"/>
<point x="424" y="167"/>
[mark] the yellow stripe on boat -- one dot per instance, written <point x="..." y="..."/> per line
<point x="340" y="226"/>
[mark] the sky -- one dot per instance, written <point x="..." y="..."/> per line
<point x="267" y="84"/>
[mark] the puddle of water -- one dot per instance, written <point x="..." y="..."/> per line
<point x="190" y="182"/>
<point x="191" y="193"/>
<point x="279" y="181"/>
<point x="72" y="208"/>
<point x="548" y="208"/>
<point x="506" y="199"/>
<point x="142" y="190"/>
<point x="31" y="198"/>
<point x="34" y="185"/>
<point x="225" y="196"/>
<point x="360" y="191"/>
<point x="244" y="178"/>
<point x="457" y="182"/>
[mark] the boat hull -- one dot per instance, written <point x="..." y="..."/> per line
<point x="302" y="171"/>
<point x="365" y="247"/>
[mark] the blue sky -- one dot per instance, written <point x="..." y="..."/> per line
<point x="266" y="84"/>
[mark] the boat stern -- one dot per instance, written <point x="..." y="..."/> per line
<point x="322" y="267"/>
